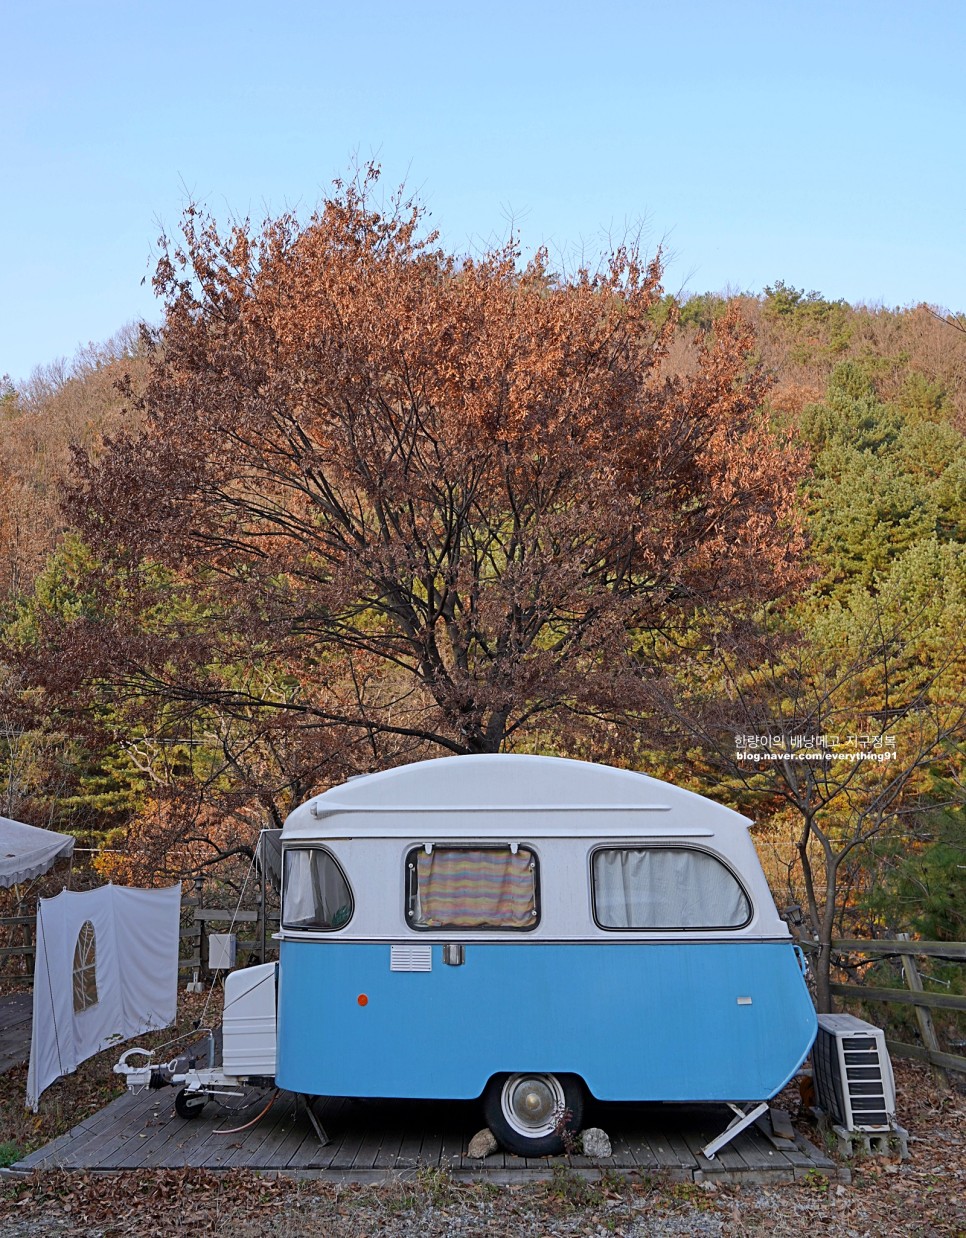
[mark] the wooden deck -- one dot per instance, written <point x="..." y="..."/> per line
<point x="16" y="1014"/>
<point x="373" y="1140"/>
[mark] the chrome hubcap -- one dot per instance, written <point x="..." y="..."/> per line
<point x="533" y="1104"/>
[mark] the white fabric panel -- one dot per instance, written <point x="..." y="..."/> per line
<point x="150" y="921"/>
<point x="666" y="888"/>
<point x="136" y="961"/>
<point x="27" y="851"/>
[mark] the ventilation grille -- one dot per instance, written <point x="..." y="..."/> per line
<point x="410" y="958"/>
<point x="853" y="1073"/>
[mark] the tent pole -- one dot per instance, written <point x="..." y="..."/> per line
<point x="261" y="881"/>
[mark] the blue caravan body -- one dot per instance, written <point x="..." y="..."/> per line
<point x="525" y="928"/>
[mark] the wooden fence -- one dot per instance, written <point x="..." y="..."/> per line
<point x="254" y="940"/>
<point x="914" y="994"/>
<point x="17" y="949"/>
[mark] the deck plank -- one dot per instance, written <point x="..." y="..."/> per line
<point x="376" y="1140"/>
<point x="283" y="1140"/>
<point x="670" y="1157"/>
<point x="222" y="1149"/>
<point x="249" y="1147"/>
<point x="759" y="1151"/>
<point x="311" y="1154"/>
<point x="109" y="1121"/>
<point x="409" y="1148"/>
<point x="110" y="1144"/>
<point x="368" y="1150"/>
<point x="16" y="1021"/>
<point x="431" y="1148"/>
<point x="348" y="1147"/>
<point x="453" y="1142"/>
<point x="333" y="1113"/>
<point x="626" y="1151"/>
<point x="678" y="1151"/>
<point x="638" y="1151"/>
<point x="157" y="1142"/>
<point x="268" y="1152"/>
<point x="389" y="1149"/>
<point x="127" y="1146"/>
<point x="806" y="1155"/>
<point x="727" y="1159"/>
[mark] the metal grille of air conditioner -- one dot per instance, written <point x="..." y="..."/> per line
<point x="853" y="1074"/>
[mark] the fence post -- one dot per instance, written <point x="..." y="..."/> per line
<point x="923" y="1014"/>
<point x="195" y="935"/>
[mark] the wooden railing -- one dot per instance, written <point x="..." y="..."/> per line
<point x="914" y="994"/>
<point x="196" y="933"/>
<point x="17" y="961"/>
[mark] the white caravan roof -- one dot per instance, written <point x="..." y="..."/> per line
<point x="562" y="809"/>
<point x="504" y="794"/>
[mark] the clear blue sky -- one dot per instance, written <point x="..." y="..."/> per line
<point x="820" y="143"/>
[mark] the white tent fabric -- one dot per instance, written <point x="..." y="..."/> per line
<point x="106" y="970"/>
<point x="269" y="856"/>
<point x="27" y="851"/>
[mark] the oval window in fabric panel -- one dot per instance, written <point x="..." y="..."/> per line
<point x="85" y="968"/>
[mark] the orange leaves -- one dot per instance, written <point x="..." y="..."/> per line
<point x="472" y="475"/>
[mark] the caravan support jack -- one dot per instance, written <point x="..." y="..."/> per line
<point x="742" y="1119"/>
<point x="316" y="1124"/>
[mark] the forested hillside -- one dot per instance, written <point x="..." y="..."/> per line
<point x="359" y="502"/>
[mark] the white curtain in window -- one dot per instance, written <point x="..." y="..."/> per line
<point x="666" y="888"/>
<point x="316" y="894"/>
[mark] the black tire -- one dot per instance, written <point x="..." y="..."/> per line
<point x="531" y="1114"/>
<point x="189" y="1104"/>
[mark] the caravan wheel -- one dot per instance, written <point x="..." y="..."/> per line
<point x="189" y="1104"/>
<point x="529" y="1114"/>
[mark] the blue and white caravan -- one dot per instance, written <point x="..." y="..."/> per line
<point x="518" y="928"/>
<point x="528" y="929"/>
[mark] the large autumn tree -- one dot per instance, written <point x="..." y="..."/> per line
<point x="427" y="496"/>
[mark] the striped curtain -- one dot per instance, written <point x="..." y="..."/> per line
<point x="464" y="888"/>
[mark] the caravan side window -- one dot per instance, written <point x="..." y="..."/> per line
<point x="471" y="888"/>
<point x="315" y="893"/>
<point x="668" y="888"/>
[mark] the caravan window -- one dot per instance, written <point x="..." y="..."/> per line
<point x="471" y="888"/>
<point x="666" y="888"/>
<point x="315" y="893"/>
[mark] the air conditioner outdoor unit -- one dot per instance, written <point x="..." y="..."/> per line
<point x="852" y="1073"/>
